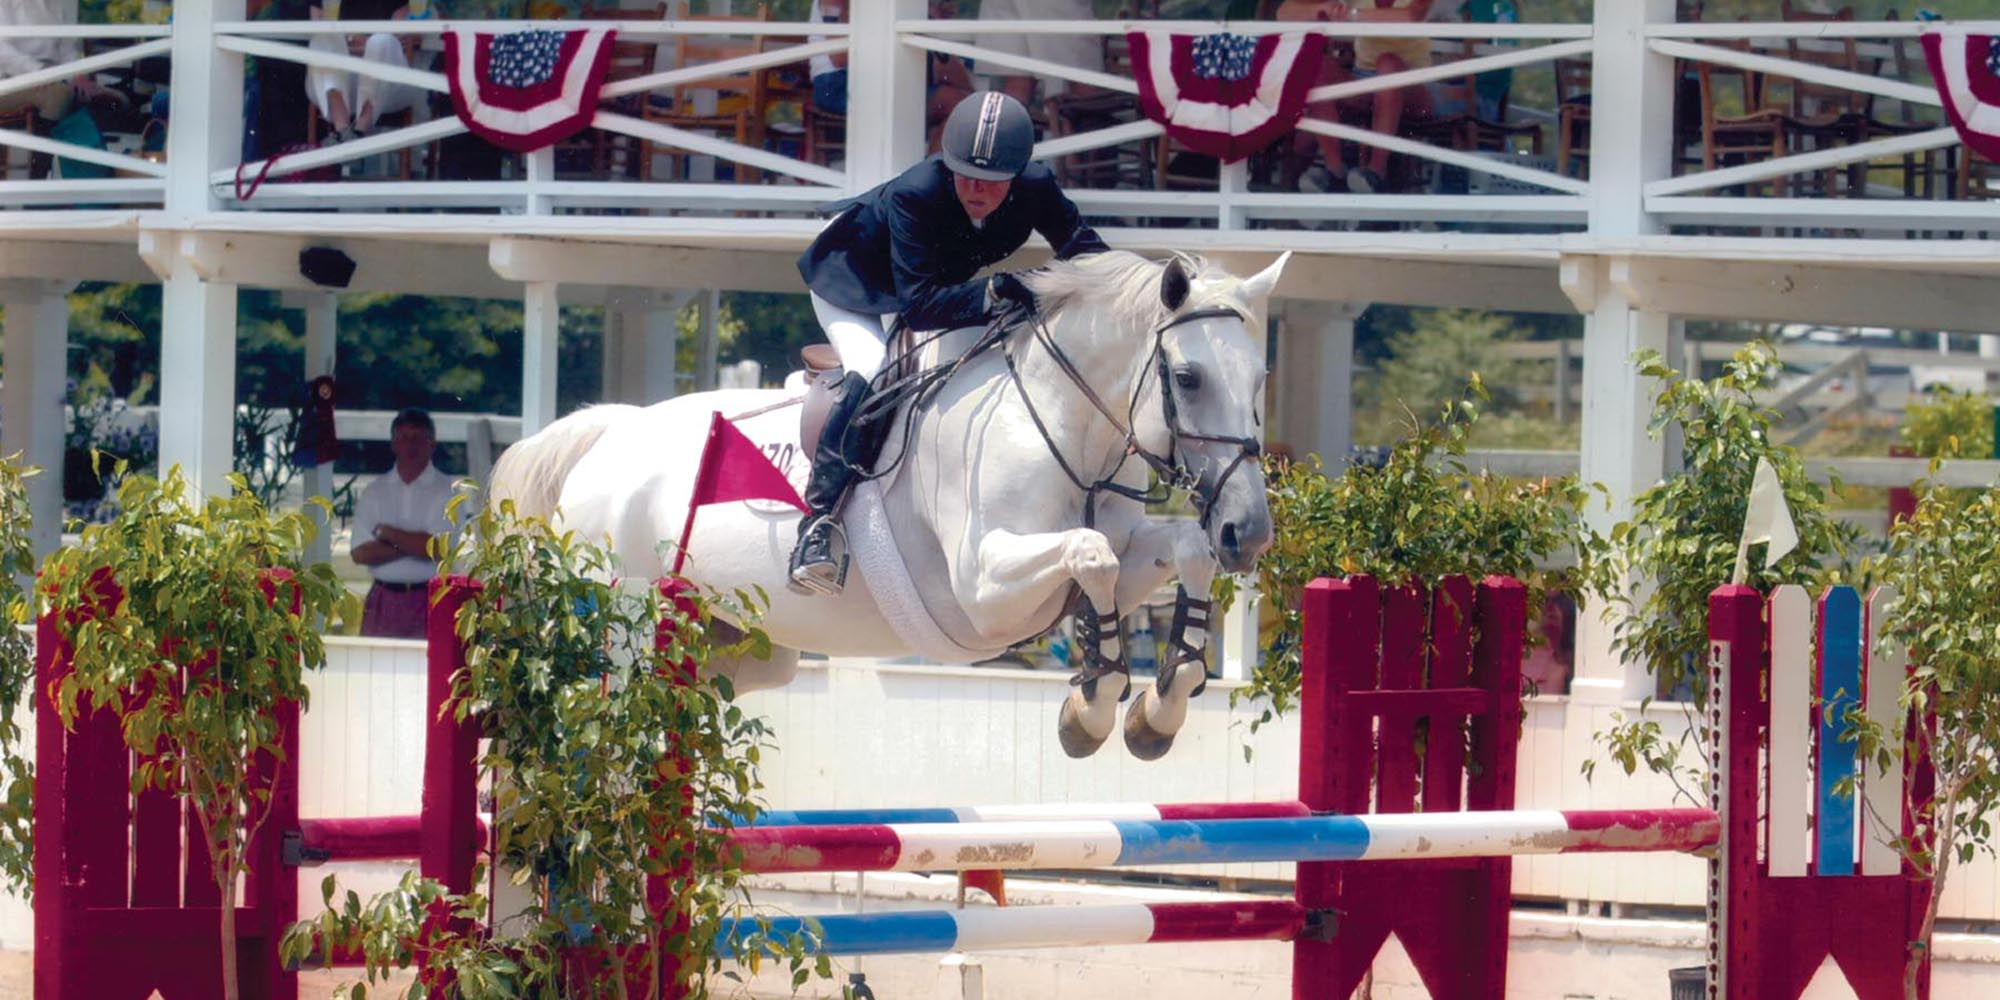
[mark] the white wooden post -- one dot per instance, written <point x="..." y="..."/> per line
<point x="1631" y="138"/>
<point x="197" y="378"/>
<point x="1316" y="371"/>
<point x="887" y="78"/>
<point x="711" y="340"/>
<point x="208" y="105"/>
<point x="198" y="326"/>
<point x="663" y="334"/>
<point x="1617" y="450"/>
<point x="1233" y="179"/>
<point x="541" y="333"/>
<point x="31" y="397"/>
<point x="624" y="351"/>
<point x="1632" y="116"/>
<point x="322" y="311"/>
<point x="541" y="172"/>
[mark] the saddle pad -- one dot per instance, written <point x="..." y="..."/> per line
<point x="872" y="544"/>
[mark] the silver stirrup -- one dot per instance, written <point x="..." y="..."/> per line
<point x="825" y="579"/>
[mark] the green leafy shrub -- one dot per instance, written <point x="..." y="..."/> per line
<point x="194" y="622"/>
<point x="610" y="763"/>
<point x="17" y="673"/>
<point x="1680" y="542"/>
<point x="1950" y="424"/>
<point x="1419" y="515"/>
<point x="1944" y="561"/>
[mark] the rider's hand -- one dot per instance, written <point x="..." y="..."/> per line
<point x="1009" y="289"/>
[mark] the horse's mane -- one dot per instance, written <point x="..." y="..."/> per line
<point x="1129" y="285"/>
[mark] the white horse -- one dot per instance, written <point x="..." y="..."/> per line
<point x="1018" y="482"/>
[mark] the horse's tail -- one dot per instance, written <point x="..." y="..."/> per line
<point x="531" y="473"/>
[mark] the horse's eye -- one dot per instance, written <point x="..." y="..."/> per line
<point x="1187" y="380"/>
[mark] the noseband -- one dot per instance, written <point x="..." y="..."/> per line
<point x="1169" y="468"/>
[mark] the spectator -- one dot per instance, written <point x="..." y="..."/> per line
<point x="1079" y="51"/>
<point x="21" y="56"/>
<point x="1373" y="56"/>
<point x="398" y="516"/>
<point x="274" y="90"/>
<point x="947" y="79"/>
<point x="353" y="103"/>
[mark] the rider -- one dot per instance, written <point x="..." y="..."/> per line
<point x="907" y="251"/>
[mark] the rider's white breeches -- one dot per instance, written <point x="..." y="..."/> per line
<point x="858" y="337"/>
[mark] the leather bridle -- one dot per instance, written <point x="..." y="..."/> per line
<point x="1171" y="471"/>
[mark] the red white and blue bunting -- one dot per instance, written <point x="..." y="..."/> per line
<point x="1223" y="94"/>
<point x="526" y="90"/>
<point x="1967" y="70"/>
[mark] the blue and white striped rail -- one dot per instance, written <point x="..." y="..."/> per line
<point x="1036" y="927"/>
<point x="1050" y="844"/>
<point x="1018" y="813"/>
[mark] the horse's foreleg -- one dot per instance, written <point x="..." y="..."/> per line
<point x="1017" y="573"/>
<point x="1159" y="549"/>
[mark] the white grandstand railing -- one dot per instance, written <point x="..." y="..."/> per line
<point x="145" y="179"/>
<point x="1688" y="198"/>
<point x="1232" y="204"/>
<point x="539" y="192"/>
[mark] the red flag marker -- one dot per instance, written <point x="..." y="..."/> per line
<point x="733" y="468"/>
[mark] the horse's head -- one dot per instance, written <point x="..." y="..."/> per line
<point x="1201" y="407"/>
<point x="1184" y="341"/>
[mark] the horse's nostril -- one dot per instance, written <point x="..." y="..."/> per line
<point x="1229" y="539"/>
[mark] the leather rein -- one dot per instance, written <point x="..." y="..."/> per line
<point x="1169" y="468"/>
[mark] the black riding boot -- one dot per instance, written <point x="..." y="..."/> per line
<point x="816" y="567"/>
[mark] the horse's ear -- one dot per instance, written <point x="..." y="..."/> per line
<point x="1174" y="286"/>
<point x="1261" y="284"/>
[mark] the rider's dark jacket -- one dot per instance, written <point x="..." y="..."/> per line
<point x="908" y="247"/>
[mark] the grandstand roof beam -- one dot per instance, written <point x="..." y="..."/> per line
<point x="637" y="266"/>
<point x="63" y="260"/>
<point x="1852" y="294"/>
<point x="382" y="266"/>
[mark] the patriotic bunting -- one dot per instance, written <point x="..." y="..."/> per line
<point x="1224" y="94"/>
<point x="526" y="90"/>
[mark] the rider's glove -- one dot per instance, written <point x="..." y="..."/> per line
<point x="1009" y="289"/>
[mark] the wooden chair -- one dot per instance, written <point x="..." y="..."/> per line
<point x="1818" y="116"/>
<point x="825" y="137"/>
<point x="740" y="98"/>
<point x="1069" y="113"/>
<point x="612" y="154"/>
<point x="25" y="120"/>
<point x="1755" y="134"/>
<point x="1467" y="130"/>
<point x="1573" y="116"/>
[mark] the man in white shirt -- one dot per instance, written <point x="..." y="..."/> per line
<point x="21" y="56"/>
<point x="395" y="521"/>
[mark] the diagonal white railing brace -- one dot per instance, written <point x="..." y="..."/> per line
<point x="426" y="80"/>
<point x="86" y="66"/>
<point x="1826" y="75"/>
<point x="1838" y="156"/>
<point x="1397" y="144"/>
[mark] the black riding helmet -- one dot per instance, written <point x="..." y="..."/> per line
<point x="988" y="137"/>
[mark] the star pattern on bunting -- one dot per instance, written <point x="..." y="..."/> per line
<point x="1224" y="55"/>
<point x="526" y="58"/>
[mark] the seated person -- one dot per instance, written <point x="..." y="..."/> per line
<point x="1080" y="51"/>
<point x="21" y="56"/>
<point x="948" y="79"/>
<point x="352" y="103"/>
<point x="1372" y="57"/>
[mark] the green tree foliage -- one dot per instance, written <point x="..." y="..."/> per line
<point x="1680" y="543"/>
<point x="1681" y="540"/>
<point x="1418" y="517"/>
<point x="194" y="623"/>
<point x="17" y="673"/>
<point x="610" y="763"/>
<point x="1945" y="565"/>
<point x="1950" y="424"/>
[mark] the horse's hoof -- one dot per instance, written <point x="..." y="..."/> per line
<point x="1145" y="742"/>
<point x="1076" y="740"/>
